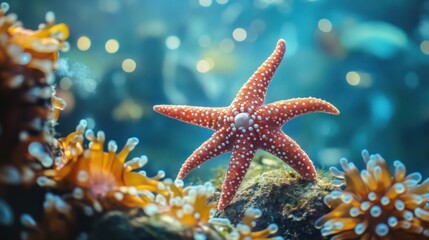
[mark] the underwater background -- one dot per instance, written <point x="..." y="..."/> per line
<point x="368" y="58"/>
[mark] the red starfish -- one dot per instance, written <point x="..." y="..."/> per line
<point x="247" y="125"/>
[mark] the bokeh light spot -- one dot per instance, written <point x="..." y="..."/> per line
<point x="128" y="109"/>
<point x="90" y="122"/>
<point x="136" y="112"/>
<point x="227" y="45"/>
<point x="110" y="6"/>
<point x="205" y="3"/>
<point x="129" y="65"/>
<point x="324" y="25"/>
<point x="90" y="85"/>
<point x="329" y="156"/>
<point x="239" y="34"/>
<point x="204" y="65"/>
<point x="424" y="46"/>
<point x="222" y="1"/>
<point x="65" y="83"/>
<point x="172" y="42"/>
<point x="353" y="78"/>
<point x="112" y="46"/>
<point x="83" y="43"/>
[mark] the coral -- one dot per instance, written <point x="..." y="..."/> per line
<point x="27" y="106"/>
<point x="376" y="203"/>
<point x="28" y="110"/>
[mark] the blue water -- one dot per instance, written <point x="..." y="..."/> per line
<point x="371" y="60"/>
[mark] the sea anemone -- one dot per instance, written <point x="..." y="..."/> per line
<point x="244" y="230"/>
<point x="32" y="49"/>
<point x="37" y="49"/>
<point x="58" y="221"/>
<point x="187" y="204"/>
<point x="105" y="179"/>
<point x="102" y="179"/>
<point x="376" y="204"/>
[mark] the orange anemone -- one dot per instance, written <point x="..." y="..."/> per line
<point x="377" y="203"/>
<point x="101" y="178"/>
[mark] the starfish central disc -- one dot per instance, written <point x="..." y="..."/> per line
<point x="242" y="120"/>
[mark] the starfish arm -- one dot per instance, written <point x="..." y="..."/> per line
<point x="201" y="116"/>
<point x="216" y="145"/>
<point x="253" y="91"/>
<point x="282" y="146"/>
<point x="278" y="113"/>
<point x="240" y="162"/>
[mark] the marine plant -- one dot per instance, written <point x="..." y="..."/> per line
<point x="376" y="203"/>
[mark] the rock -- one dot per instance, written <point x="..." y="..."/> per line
<point x="134" y="225"/>
<point x="282" y="196"/>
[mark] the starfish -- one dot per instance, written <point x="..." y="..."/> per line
<point x="247" y="125"/>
